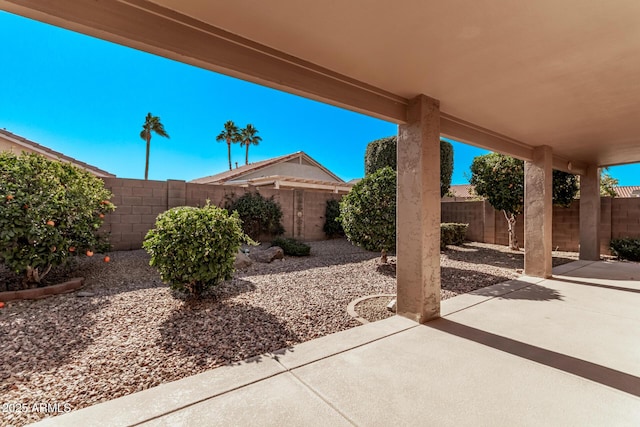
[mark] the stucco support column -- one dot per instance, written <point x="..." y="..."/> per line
<point x="590" y="214"/>
<point x="418" y="212"/>
<point x="538" y="213"/>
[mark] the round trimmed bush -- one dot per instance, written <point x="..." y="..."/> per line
<point x="368" y="212"/>
<point x="194" y="248"/>
<point x="50" y="211"/>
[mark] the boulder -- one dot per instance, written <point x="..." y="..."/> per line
<point x="242" y="261"/>
<point x="267" y="255"/>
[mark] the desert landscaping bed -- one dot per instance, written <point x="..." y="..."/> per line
<point x="131" y="332"/>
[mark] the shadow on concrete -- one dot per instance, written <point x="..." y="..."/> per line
<point x="518" y="290"/>
<point x="600" y="374"/>
<point x="596" y="285"/>
<point x="212" y="332"/>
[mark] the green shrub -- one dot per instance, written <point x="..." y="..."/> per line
<point x="368" y="212"/>
<point x="446" y="166"/>
<point x="50" y="211"/>
<point x="626" y="248"/>
<point x="194" y="248"/>
<point x="332" y="226"/>
<point x="379" y="154"/>
<point x="291" y="246"/>
<point x="259" y="215"/>
<point x="452" y="234"/>
<point x="382" y="152"/>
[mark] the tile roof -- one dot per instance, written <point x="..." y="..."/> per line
<point x="628" y="190"/>
<point x="462" y="191"/>
<point x="230" y="175"/>
<point x="55" y="154"/>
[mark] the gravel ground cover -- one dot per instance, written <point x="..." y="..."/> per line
<point x="134" y="332"/>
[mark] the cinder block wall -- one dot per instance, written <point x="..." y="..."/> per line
<point x="139" y="202"/>
<point x="618" y="218"/>
<point x="471" y="213"/>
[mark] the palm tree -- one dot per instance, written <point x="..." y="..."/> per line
<point x="151" y="124"/>
<point x="247" y="137"/>
<point x="230" y="135"/>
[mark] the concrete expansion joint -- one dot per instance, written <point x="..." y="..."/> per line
<point x="319" y="396"/>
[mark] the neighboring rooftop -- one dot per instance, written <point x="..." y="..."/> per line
<point x="628" y="190"/>
<point x="15" y="143"/>
<point x="296" y="170"/>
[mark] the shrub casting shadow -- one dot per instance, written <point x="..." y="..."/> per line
<point x="33" y="342"/>
<point x="225" y="290"/>
<point x="211" y="332"/>
<point x="292" y="263"/>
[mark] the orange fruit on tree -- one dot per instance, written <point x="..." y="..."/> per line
<point x="72" y="248"/>
<point x="89" y="253"/>
<point x="1" y="304"/>
<point x="51" y="223"/>
<point x="107" y="259"/>
<point x="9" y="196"/>
<point x="101" y="215"/>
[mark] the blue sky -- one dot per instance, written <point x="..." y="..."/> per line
<point x="87" y="98"/>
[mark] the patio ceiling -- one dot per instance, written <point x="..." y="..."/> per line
<point x="509" y="75"/>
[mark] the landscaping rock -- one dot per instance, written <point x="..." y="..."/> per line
<point x="392" y="306"/>
<point x="242" y="261"/>
<point x="267" y="255"/>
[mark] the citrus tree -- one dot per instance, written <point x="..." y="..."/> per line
<point x="49" y="211"/>
<point x="500" y="179"/>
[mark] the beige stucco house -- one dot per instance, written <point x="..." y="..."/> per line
<point x="297" y="170"/>
<point x="17" y="144"/>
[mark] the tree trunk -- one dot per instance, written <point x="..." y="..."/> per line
<point x="146" y="164"/>
<point x="229" y="152"/>
<point x="246" y="159"/>
<point x="383" y="256"/>
<point x="513" y="239"/>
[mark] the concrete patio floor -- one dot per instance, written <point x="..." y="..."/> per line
<point x="563" y="351"/>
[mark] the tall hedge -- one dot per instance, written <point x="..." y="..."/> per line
<point x="368" y="212"/>
<point x="382" y="152"/>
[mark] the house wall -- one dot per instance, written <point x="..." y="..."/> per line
<point x="139" y="203"/>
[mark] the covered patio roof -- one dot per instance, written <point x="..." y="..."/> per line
<point x="510" y="76"/>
